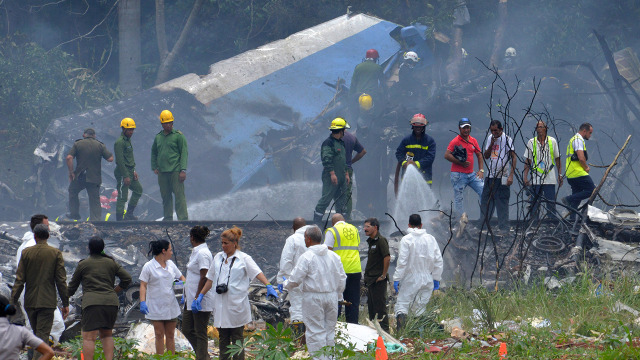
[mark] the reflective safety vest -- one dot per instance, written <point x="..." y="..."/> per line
<point x="535" y="156"/>
<point x="574" y="168"/>
<point x="346" y="241"/>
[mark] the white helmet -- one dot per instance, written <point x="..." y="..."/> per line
<point x="510" y="52"/>
<point x="410" y="55"/>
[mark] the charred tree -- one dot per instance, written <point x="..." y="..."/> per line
<point x="502" y="25"/>
<point x="129" y="40"/>
<point x="167" y="58"/>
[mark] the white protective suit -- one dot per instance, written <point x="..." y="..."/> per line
<point x="419" y="263"/>
<point x="320" y="275"/>
<point x="294" y="247"/>
<point x="58" y="322"/>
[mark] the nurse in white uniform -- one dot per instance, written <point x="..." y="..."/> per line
<point x="230" y="275"/>
<point x="157" y="299"/>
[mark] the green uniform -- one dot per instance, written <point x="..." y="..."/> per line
<point x="40" y="272"/>
<point x="169" y="156"/>
<point x="97" y="275"/>
<point x="333" y="158"/>
<point x="367" y="78"/>
<point x="88" y="175"/>
<point x="125" y="167"/>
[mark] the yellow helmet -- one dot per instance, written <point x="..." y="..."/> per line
<point x="128" y="123"/>
<point x="166" y="116"/>
<point x="365" y="101"/>
<point x="339" y="123"/>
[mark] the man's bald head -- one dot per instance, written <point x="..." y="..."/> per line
<point x="298" y="223"/>
<point x="336" y="217"/>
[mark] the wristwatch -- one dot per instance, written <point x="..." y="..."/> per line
<point x="481" y="170"/>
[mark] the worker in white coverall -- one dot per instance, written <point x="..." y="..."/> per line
<point x="28" y="241"/>
<point x="294" y="247"/>
<point x="418" y="271"/>
<point x="320" y="275"/>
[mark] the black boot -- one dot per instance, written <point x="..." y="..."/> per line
<point x="118" y="217"/>
<point x="317" y="218"/>
<point x="401" y="320"/>
<point x="128" y="215"/>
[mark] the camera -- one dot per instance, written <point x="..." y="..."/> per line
<point x="222" y="288"/>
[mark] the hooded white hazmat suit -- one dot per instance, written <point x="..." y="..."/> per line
<point x="320" y="275"/>
<point x="419" y="263"/>
<point x="294" y="247"/>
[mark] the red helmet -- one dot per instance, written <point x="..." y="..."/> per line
<point x="372" y="54"/>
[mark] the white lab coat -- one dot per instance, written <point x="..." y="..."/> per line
<point x="161" y="298"/>
<point x="232" y="309"/>
<point x="320" y="275"/>
<point x="200" y="258"/>
<point x="419" y="263"/>
<point x="58" y="326"/>
<point x="294" y="247"/>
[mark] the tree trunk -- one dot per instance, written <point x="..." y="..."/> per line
<point x="502" y="25"/>
<point x="129" y="40"/>
<point x="168" y="58"/>
<point x="453" y="69"/>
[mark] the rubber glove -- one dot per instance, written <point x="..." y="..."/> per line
<point x="143" y="307"/>
<point x="271" y="291"/>
<point x="436" y="285"/>
<point x="396" y="284"/>
<point x="196" y="305"/>
<point x="182" y="300"/>
<point x="281" y="286"/>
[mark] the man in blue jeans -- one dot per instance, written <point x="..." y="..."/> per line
<point x="577" y="169"/>
<point x="460" y="153"/>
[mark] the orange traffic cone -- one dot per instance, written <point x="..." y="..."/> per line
<point x="502" y="353"/>
<point x="81" y="355"/>
<point x="381" y="350"/>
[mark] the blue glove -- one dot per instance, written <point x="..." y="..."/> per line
<point x="182" y="300"/>
<point x="143" y="307"/>
<point x="271" y="291"/>
<point x="196" y="305"/>
<point x="436" y="285"/>
<point x="280" y="288"/>
<point x="396" y="284"/>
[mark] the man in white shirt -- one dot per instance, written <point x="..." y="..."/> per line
<point x="320" y="275"/>
<point x="501" y="158"/>
<point x="294" y="247"/>
<point x="542" y="157"/>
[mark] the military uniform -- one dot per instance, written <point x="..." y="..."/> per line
<point x="97" y="275"/>
<point x="41" y="268"/>
<point x="125" y="167"/>
<point x="169" y="156"/>
<point x="333" y="158"/>
<point x="88" y="175"/>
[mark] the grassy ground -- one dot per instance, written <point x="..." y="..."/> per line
<point x="581" y="320"/>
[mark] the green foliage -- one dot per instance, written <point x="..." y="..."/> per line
<point x="123" y="349"/>
<point x="272" y="343"/>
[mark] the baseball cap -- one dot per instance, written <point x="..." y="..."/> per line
<point x="464" y="122"/>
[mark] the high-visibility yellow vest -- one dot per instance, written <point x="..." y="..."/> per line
<point x="346" y="241"/>
<point x="535" y="156"/>
<point x="574" y="168"/>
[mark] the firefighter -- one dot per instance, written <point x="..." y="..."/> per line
<point x="418" y="149"/>
<point x="368" y="77"/>
<point x="125" y="172"/>
<point x="335" y="178"/>
<point x="169" y="157"/>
